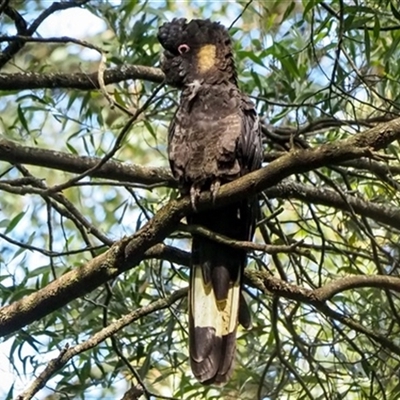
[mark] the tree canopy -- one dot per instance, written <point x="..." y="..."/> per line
<point x="94" y="247"/>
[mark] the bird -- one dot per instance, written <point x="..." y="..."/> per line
<point x="213" y="138"/>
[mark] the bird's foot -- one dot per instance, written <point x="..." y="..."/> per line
<point x="214" y="189"/>
<point x="194" y="195"/>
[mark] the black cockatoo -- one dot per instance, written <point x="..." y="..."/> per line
<point x="213" y="138"/>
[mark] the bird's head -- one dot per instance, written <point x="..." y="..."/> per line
<point x="196" y="50"/>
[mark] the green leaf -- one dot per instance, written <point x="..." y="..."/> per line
<point x="14" y="222"/>
<point x="395" y="11"/>
<point x="377" y="27"/>
<point x="309" y="5"/>
<point x="22" y="118"/>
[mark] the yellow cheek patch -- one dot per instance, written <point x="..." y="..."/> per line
<point x="206" y="57"/>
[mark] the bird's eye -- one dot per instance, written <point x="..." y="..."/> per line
<point x="183" y="48"/>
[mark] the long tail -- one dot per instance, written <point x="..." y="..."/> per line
<point x="215" y="294"/>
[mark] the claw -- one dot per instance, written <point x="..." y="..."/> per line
<point x="214" y="189"/>
<point x="194" y="195"/>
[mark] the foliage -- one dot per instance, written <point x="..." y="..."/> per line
<point x="320" y="73"/>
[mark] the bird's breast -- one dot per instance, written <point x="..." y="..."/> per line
<point x="203" y="145"/>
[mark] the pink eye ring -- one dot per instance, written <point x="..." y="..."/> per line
<point x="183" y="48"/>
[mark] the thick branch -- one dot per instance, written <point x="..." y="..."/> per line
<point x="318" y="297"/>
<point x="354" y="282"/>
<point x="266" y="282"/>
<point x="128" y="252"/>
<point x="78" y="80"/>
<point x="378" y="212"/>
<point x="17" y="154"/>
<point x="260" y="280"/>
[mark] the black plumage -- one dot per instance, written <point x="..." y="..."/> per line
<point x="213" y="138"/>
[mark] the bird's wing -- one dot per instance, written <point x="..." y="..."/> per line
<point x="249" y="146"/>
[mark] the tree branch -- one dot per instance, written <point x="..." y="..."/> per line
<point x="129" y="251"/>
<point x="78" y="80"/>
<point x="262" y="281"/>
<point x="15" y="47"/>
<point x="318" y="297"/>
<point x="378" y="212"/>
<point x="67" y="353"/>
<point x="17" y="154"/>
<point x="245" y="245"/>
<point x="60" y="39"/>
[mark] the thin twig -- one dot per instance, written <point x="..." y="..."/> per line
<point x="69" y="352"/>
